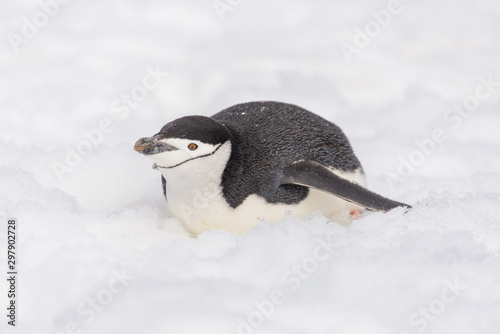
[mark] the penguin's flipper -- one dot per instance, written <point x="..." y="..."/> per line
<point x="314" y="175"/>
<point x="164" y="186"/>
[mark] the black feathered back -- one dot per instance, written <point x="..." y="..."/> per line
<point x="267" y="137"/>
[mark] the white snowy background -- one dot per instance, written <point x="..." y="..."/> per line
<point x="434" y="269"/>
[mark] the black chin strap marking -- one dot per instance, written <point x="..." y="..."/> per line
<point x="201" y="156"/>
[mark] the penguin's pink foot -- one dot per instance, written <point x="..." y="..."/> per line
<point x="355" y="214"/>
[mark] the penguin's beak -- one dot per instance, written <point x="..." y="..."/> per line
<point x="152" y="145"/>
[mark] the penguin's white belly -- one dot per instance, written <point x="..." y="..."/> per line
<point x="204" y="210"/>
<point x="256" y="208"/>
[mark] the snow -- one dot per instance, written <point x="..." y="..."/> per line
<point x="96" y="251"/>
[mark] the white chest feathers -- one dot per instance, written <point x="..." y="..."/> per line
<point x="194" y="196"/>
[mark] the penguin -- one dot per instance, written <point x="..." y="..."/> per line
<point x="257" y="161"/>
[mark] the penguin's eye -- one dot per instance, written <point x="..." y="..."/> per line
<point x="192" y="146"/>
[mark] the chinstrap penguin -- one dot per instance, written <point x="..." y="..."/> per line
<point x="255" y="161"/>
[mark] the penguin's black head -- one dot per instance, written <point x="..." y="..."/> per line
<point x="183" y="140"/>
